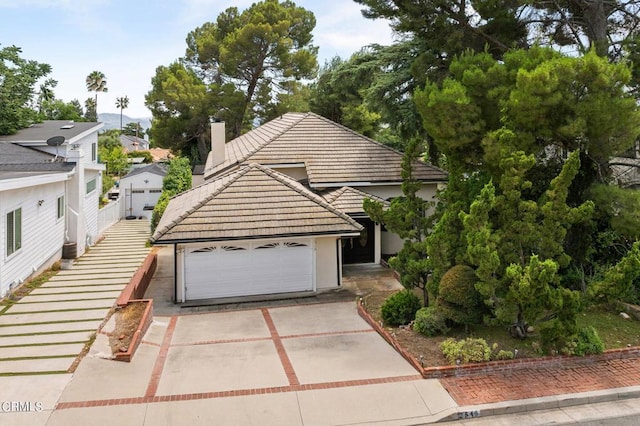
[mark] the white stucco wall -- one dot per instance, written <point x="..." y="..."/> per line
<point x="326" y="263"/>
<point x="391" y="243"/>
<point x="42" y="232"/>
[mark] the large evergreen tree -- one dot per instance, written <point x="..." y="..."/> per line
<point x="516" y="242"/>
<point x="238" y="69"/>
<point x="258" y="50"/>
<point x="408" y="217"/>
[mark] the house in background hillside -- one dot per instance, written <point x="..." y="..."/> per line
<point x="50" y="182"/>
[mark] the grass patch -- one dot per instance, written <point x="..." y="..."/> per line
<point x="52" y="311"/>
<point x="83" y="353"/>
<point x="40" y="333"/>
<point x="28" y="287"/>
<point x="34" y="373"/>
<point x="27" y="358"/>
<point x="23" y="345"/>
<point x="614" y="331"/>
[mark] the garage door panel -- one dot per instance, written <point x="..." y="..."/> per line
<point x="229" y="271"/>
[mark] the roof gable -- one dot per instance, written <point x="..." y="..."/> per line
<point x="159" y="169"/>
<point x="248" y="203"/>
<point x="349" y="200"/>
<point x="333" y="154"/>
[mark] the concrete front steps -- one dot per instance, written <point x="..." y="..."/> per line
<point x="45" y="331"/>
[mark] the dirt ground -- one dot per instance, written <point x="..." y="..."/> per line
<point x="127" y="322"/>
<point x="425" y="349"/>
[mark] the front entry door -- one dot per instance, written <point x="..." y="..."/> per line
<point x="360" y="249"/>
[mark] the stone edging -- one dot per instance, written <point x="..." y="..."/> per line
<point x="495" y="366"/>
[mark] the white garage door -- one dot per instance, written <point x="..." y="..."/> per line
<point x="243" y="269"/>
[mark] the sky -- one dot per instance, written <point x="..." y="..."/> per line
<point x="128" y="40"/>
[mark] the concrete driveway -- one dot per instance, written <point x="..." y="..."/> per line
<point x="287" y="365"/>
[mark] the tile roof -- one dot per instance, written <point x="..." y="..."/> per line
<point x="159" y="169"/>
<point x="133" y="143"/>
<point x="333" y="154"/>
<point x="349" y="200"/>
<point x="247" y="203"/>
<point x="160" y="154"/>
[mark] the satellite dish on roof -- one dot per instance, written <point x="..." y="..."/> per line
<point x="55" y="140"/>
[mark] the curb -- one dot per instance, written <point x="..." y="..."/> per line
<point x="535" y="404"/>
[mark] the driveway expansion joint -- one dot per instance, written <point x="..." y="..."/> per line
<point x="147" y="399"/>
<point x="282" y="353"/>
<point x="156" y="374"/>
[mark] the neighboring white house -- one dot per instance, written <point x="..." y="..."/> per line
<point x="141" y="189"/>
<point x="49" y="194"/>
<point x="281" y="209"/>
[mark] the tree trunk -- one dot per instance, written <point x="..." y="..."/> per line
<point x="595" y="16"/>
<point x="425" y="295"/>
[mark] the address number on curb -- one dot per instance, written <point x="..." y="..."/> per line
<point x="469" y="414"/>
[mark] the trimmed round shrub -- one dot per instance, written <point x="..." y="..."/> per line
<point x="458" y="299"/>
<point x="465" y="351"/>
<point x="430" y="322"/>
<point x="503" y="355"/>
<point x="588" y="342"/>
<point x="400" y="308"/>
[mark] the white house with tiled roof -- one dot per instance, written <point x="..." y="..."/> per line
<point x="49" y="196"/>
<point x="284" y="201"/>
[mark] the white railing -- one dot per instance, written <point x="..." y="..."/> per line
<point x="108" y="215"/>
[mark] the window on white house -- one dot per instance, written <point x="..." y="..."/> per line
<point x="14" y="231"/>
<point x="94" y="152"/>
<point x="61" y="207"/>
<point x="91" y="185"/>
